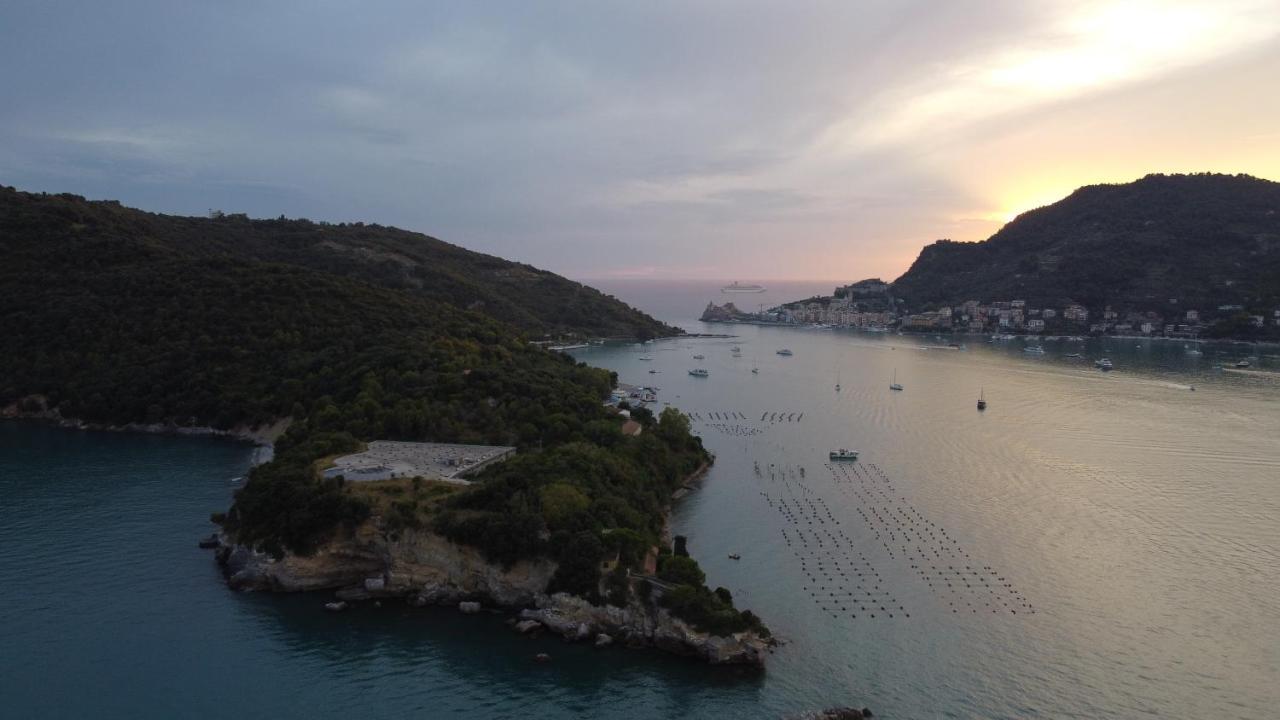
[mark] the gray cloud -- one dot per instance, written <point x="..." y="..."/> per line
<point x="579" y="137"/>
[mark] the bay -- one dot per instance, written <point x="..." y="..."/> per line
<point x="1136" y="517"/>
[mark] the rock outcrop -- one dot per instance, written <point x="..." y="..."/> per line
<point x="641" y="624"/>
<point x="419" y="566"/>
<point x="426" y="569"/>
<point x="837" y="713"/>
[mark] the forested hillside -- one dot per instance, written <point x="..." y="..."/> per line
<point x="535" y="301"/>
<point x="1204" y="240"/>
<point x="110" y="323"/>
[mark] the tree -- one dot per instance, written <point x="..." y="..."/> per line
<point x="561" y="502"/>
<point x="578" y="571"/>
<point x="681" y="546"/>
<point x="682" y="570"/>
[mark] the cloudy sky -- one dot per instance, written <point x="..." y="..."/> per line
<point x="719" y="139"/>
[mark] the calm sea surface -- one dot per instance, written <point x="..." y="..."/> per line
<point x="1093" y="545"/>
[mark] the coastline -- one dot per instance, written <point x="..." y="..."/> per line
<point x="909" y="332"/>
<point x="263" y="437"/>
<point x="422" y="568"/>
<point x="373" y="564"/>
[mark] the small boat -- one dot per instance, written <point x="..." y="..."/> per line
<point x="843" y="454"/>
<point x="1073" y="355"/>
<point x="785" y="352"/>
<point x="982" y="401"/>
<point x="755" y="371"/>
<point x="699" y="372"/>
<point x="699" y="357"/>
<point x="837" y="387"/>
<point x="1103" y="364"/>
<point x="1033" y="349"/>
<point x="646" y="358"/>
<point x="735" y="556"/>
<point x="893" y="384"/>
<point x="1242" y="364"/>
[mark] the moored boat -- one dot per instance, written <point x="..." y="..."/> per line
<point x="699" y="372"/>
<point x="843" y="454"/>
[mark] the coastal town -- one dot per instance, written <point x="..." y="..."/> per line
<point x="869" y="305"/>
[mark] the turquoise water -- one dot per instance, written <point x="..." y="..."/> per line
<point x="1135" y="517"/>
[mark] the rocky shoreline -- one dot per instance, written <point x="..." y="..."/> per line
<point x="35" y="408"/>
<point x="423" y="568"/>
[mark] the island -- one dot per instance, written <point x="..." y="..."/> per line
<point x="426" y="447"/>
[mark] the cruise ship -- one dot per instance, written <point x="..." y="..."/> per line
<point x="737" y="287"/>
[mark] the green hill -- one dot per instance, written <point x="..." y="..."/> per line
<point x="113" y="317"/>
<point x="1205" y="240"/>
<point x="535" y="301"/>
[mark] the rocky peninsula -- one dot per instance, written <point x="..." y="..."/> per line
<point x="424" y="568"/>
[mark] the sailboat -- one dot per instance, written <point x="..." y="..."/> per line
<point x="982" y="402"/>
<point x="893" y="385"/>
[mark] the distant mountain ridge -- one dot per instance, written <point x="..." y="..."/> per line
<point x="1201" y="240"/>
<point x="535" y="301"/>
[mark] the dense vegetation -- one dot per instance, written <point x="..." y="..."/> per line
<point x="1204" y="240"/>
<point x="535" y="301"/>
<point x="107" y="323"/>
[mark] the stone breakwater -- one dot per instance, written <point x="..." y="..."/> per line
<point x="424" y="568"/>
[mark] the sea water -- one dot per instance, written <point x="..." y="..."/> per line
<point x="1130" y="523"/>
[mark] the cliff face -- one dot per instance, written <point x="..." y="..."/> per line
<point x="424" y="568"/>
<point x="644" y="625"/>
<point x="419" y="566"/>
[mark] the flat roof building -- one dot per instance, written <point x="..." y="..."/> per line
<point x="389" y="459"/>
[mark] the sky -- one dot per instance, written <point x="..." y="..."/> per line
<point x="723" y="139"/>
